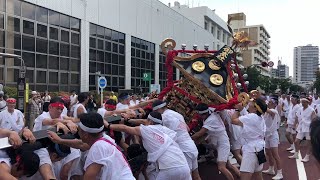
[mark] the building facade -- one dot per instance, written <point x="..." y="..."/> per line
<point x="305" y="64"/>
<point x="67" y="44"/>
<point x="255" y="55"/>
<point x="282" y="71"/>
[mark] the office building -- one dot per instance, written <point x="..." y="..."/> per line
<point x="67" y="44"/>
<point x="305" y="64"/>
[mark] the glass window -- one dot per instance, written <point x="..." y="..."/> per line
<point x="13" y="24"/>
<point x="14" y="7"/>
<point x="107" y="58"/>
<point x="75" y="24"/>
<point x="107" y="34"/>
<point x="108" y="68"/>
<point x="1" y="21"/>
<point x="115" y="70"/>
<point x="42" y="46"/>
<point x="29" y="59"/>
<point x="92" y="79"/>
<point x="100" y="31"/>
<point x="122" y="60"/>
<point x="92" y="42"/>
<point x="114" y="47"/>
<point x="100" y="56"/>
<point x="13" y="40"/>
<point x="64" y="78"/>
<point x="42" y="30"/>
<point x="64" y="36"/>
<point x="29" y="76"/>
<point x="53" y="78"/>
<point x="42" y="14"/>
<point x="75" y="79"/>
<point x="64" y="49"/>
<point x="28" y="10"/>
<point x="28" y="27"/>
<point x="92" y="67"/>
<point x="41" y="76"/>
<point x="12" y="75"/>
<point x="92" y="55"/>
<point x="100" y="44"/>
<point x="74" y="65"/>
<point x="2" y="5"/>
<point x="93" y="30"/>
<point x="64" y="63"/>
<point x="75" y="38"/>
<point x="107" y="46"/>
<point x="54" y="18"/>
<point x="114" y="81"/>
<point x="64" y="21"/>
<point x="41" y="61"/>
<point x="54" y="33"/>
<point x="121" y="49"/>
<point x="115" y="36"/>
<point x="115" y="59"/>
<point x="53" y="47"/>
<point x="28" y="43"/>
<point x="75" y="51"/>
<point x="121" y="70"/>
<point x="121" y="81"/>
<point x="100" y="67"/>
<point x="53" y="62"/>
<point x="121" y="38"/>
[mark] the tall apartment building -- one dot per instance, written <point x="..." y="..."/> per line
<point x="282" y="71"/>
<point x="255" y="55"/>
<point x="305" y="63"/>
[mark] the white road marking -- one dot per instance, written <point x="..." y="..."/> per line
<point x="300" y="167"/>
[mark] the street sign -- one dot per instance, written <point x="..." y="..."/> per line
<point x="102" y="82"/>
<point x="146" y="76"/>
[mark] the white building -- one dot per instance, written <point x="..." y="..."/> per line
<point x="66" y="42"/>
<point x="305" y="64"/>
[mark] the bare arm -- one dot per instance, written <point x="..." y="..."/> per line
<point x="235" y="119"/>
<point x="92" y="171"/>
<point x="127" y="129"/>
<point x="138" y="121"/>
<point x="52" y="122"/>
<point x="74" y="143"/>
<point x="199" y="134"/>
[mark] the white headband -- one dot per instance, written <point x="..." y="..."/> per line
<point x="159" y="106"/>
<point x="204" y="111"/>
<point x="90" y="130"/>
<point x="154" y="119"/>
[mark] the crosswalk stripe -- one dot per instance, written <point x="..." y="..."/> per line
<point x="300" y="167"/>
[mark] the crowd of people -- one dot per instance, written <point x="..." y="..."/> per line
<point x="149" y="141"/>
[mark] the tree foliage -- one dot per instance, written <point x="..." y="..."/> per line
<point x="316" y="84"/>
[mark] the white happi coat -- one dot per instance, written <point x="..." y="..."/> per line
<point x="272" y="123"/>
<point x="253" y="133"/>
<point x="293" y="110"/>
<point x="114" y="164"/>
<point x="304" y="117"/>
<point x="175" y="121"/>
<point x="161" y="147"/>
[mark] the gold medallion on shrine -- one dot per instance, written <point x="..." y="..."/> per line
<point x="216" y="79"/>
<point x="198" y="66"/>
<point x="213" y="65"/>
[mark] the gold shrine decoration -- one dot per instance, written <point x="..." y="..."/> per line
<point x="243" y="98"/>
<point x="224" y="54"/>
<point x="198" y="66"/>
<point x="167" y="44"/>
<point x="213" y="65"/>
<point x="216" y="79"/>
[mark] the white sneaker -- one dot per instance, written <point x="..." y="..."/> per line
<point x="306" y="158"/>
<point x="294" y="156"/>
<point x="269" y="171"/>
<point x="292" y="151"/>
<point x="278" y="176"/>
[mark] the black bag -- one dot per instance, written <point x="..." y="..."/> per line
<point x="261" y="157"/>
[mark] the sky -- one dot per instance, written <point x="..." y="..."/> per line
<point x="290" y="23"/>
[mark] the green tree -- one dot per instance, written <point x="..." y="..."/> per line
<point x="253" y="77"/>
<point x="316" y="84"/>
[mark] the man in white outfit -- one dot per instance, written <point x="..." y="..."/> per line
<point x="305" y="116"/>
<point x="175" y="121"/>
<point x="291" y="121"/>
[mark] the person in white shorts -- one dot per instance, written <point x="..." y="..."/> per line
<point x="272" y="119"/>
<point x="163" y="151"/>
<point x="253" y="133"/>
<point x="214" y="126"/>
<point x="175" y="121"/>
<point x="305" y="116"/>
<point x="292" y="120"/>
